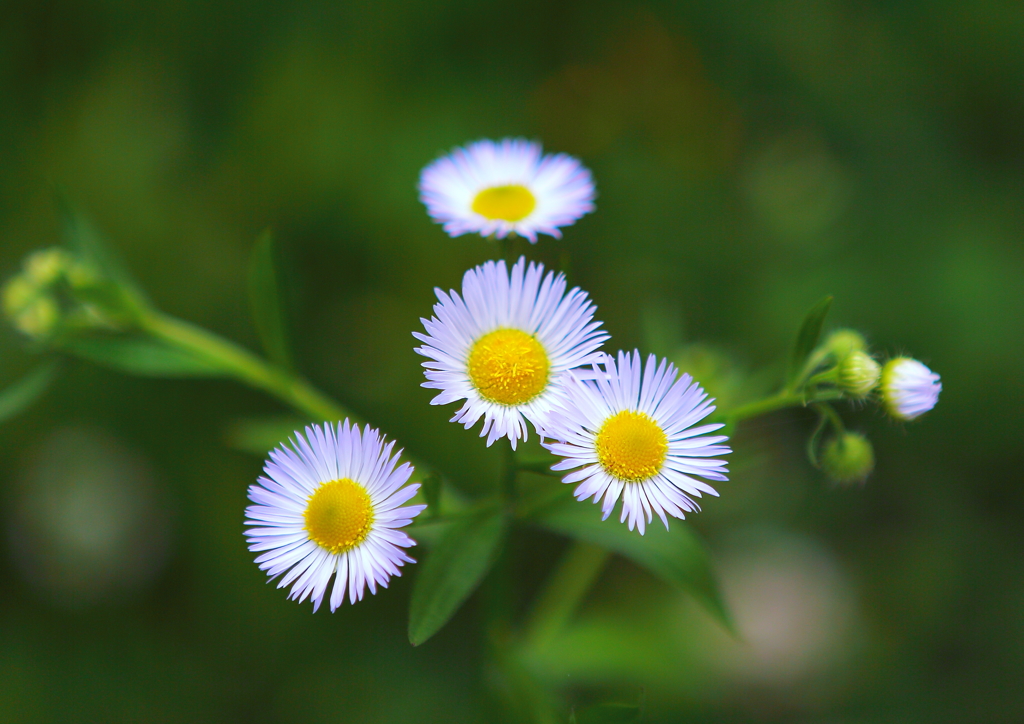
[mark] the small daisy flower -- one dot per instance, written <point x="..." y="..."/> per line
<point x="332" y="507"/>
<point x="506" y="344"/>
<point x="506" y="187"/>
<point x="630" y="432"/>
<point x="909" y="389"/>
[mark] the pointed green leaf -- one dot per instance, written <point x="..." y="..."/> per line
<point x="265" y="301"/>
<point x="82" y="238"/>
<point x="675" y="555"/>
<point x="143" y="356"/>
<point x="27" y="390"/>
<point x="807" y="339"/>
<point x="459" y="561"/>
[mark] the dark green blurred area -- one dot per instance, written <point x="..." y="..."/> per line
<point x="749" y="157"/>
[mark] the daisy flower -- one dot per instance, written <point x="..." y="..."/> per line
<point x="909" y="389"/>
<point x="331" y="507"/>
<point x="506" y="344"/>
<point x="629" y="431"/>
<point x="506" y="187"/>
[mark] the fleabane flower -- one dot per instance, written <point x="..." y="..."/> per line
<point x="629" y="431"/>
<point x="332" y="507"/>
<point x="504" y="187"/>
<point x="505" y="346"/>
<point x="909" y="389"/>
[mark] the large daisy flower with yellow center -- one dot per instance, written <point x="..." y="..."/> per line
<point x="332" y="507"/>
<point x="506" y="187"/>
<point x="505" y="345"/>
<point x="629" y="431"/>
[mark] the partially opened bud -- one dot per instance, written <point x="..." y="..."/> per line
<point x="909" y="389"/>
<point x="848" y="458"/>
<point x="858" y="374"/>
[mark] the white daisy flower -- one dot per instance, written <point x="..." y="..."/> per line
<point x="506" y="187"/>
<point x="909" y="389"/>
<point x="629" y="431"/>
<point x="506" y="344"/>
<point x="331" y="507"/>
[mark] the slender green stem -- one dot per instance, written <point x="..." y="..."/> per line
<point x="763" y="407"/>
<point x="828" y="412"/>
<point x="569" y="583"/>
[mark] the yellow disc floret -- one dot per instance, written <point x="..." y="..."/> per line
<point x="508" y="366"/>
<point x="339" y="515"/>
<point x="505" y="203"/>
<point x="631" y="446"/>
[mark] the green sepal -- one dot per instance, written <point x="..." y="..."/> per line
<point x="806" y="340"/>
<point x="676" y="555"/>
<point x="141" y="355"/>
<point x="460" y="559"/>
<point x="27" y="390"/>
<point x="265" y="301"/>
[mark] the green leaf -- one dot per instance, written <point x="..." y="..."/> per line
<point x="265" y="301"/>
<point x="143" y="356"/>
<point x="459" y="561"/>
<point x="27" y="390"/>
<point x="260" y="435"/>
<point x="807" y="339"/>
<point x="675" y="555"/>
<point x="613" y="713"/>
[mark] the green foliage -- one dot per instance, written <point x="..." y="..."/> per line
<point x="806" y="340"/>
<point x="139" y="355"/>
<point x="27" y="390"/>
<point x="676" y="555"/>
<point x="265" y="301"/>
<point x="611" y="713"/>
<point x="459" y="561"/>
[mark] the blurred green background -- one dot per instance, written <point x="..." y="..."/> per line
<point x="750" y="157"/>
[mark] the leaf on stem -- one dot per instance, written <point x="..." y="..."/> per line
<point x="807" y="340"/>
<point x="27" y="390"/>
<point x="265" y="301"/>
<point x="675" y="555"/>
<point x="460" y="559"/>
<point x="85" y="241"/>
<point x="137" y="355"/>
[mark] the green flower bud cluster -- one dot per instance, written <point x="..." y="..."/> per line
<point x="856" y="371"/>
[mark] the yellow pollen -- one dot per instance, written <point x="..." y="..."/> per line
<point x="508" y="366"/>
<point x="631" y="446"/>
<point x="339" y="515"/>
<point x="505" y="203"/>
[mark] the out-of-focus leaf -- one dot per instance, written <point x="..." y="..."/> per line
<point x="143" y="356"/>
<point x="82" y="238"/>
<point x="459" y="561"/>
<point x="807" y="339"/>
<point x="265" y="301"/>
<point x="260" y="435"/>
<point x="27" y="390"/>
<point x="612" y="713"/>
<point x="675" y="555"/>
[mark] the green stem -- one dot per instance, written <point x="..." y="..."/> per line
<point x="778" y="402"/>
<point x="245" y="366"/>
<point x="568" y="584"/>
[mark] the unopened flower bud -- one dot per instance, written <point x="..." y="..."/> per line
<point x="909" y="389"/>
<point x="46" y="266"/>
<point x="843" y="342"/>
<point x="38" y="318"/>
<point x="858" y="374"/>
<point x="848" y="458"/>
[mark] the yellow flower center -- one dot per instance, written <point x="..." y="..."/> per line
<point x="507" y="203"/>
<point x="631" y="446"/>
<point x="508" y="366"/>
<point x="339" y="515"/>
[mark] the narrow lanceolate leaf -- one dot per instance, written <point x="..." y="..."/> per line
<point x="265" y="301"/>
<point x="675" y="555"/>
<point x="27" y="390"/>
<point x="143" y="356"/>
<point x="459" y="561"/>
<point x="807" y="339"/>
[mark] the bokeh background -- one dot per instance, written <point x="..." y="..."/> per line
<point x="750" y="158"/>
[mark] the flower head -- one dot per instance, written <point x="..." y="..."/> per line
<point x="630" y="432"/>
<point x="858" y="374"/>
<point x="506" y="344"/>
<point x="848" y="458"/>
<point x="506" y="187"/>
<point x="331" y="507"/>
<point x="909" y="389"/>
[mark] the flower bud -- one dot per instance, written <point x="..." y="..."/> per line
<point x="842" y="342"/>
<point x="858" y="374"/>
<point x="38" y="318"/>
<point x="909" y="389"/>
<point x="848" y="458"/>
<point x="46" y="266"/>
